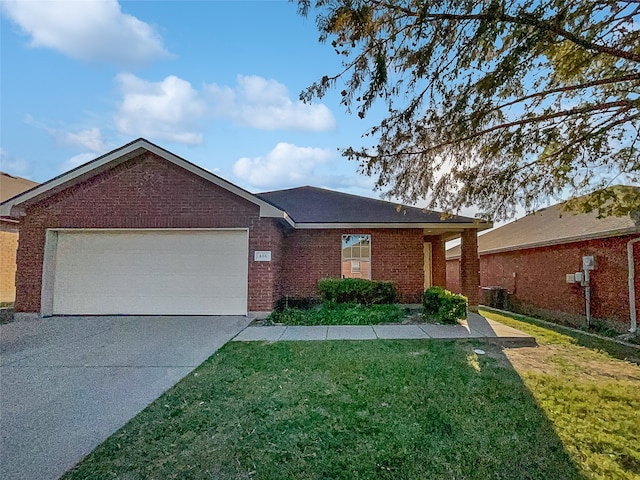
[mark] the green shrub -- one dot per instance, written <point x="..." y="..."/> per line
<point x="453" y="308"/>
<point x="431" y="300"/>
<point x="339" y="314"/>
<point x="446" y="306"/>
<point x="357" y="290"/>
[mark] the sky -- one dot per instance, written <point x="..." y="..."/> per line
<point x="215" y="82"/>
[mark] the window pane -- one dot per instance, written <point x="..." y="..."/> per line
<point x="356" y="256"/>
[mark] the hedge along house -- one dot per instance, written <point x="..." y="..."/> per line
<point x="535" y="259"/>
<point x="143" y="231"/>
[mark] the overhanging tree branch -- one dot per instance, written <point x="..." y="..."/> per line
<point x="484" y="85"/>
<point x="523" y="18"/>
<point x="570" y="88"/>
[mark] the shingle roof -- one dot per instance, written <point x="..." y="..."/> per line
<point x="317" y="205"/>
<point x="549" y="226"/>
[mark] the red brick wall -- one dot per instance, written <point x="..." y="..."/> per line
<point x="469" y="266"/>
<point x="438" y="261"/>
<point x="397" y="255"/>
<point x="453" y="275"/>
<point x="145" y="192"/>
<point x="265" y="277"/>
<point x="539" y="283"/>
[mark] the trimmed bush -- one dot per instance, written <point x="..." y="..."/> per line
<point x="446" y="306"/>
<point x="340" y="314"/>
<point x="431" y="300"/>
<point x="357" y="290"/>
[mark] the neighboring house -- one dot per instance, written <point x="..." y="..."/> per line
<point x="10" y="186"/>
<point x="531" y="257"/>
<point x="143" y="231"/>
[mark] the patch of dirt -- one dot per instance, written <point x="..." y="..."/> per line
<point x="496" y="352"/>
<point x="416" y="318"/>
<point x="413" y="318"/>
<point x="551" y="359"/>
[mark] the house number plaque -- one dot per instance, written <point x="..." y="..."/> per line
<point x="262" y="256"/>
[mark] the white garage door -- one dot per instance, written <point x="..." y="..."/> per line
<point x="151" y="272"/>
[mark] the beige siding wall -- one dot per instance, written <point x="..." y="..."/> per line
<point x="8" y="248"/>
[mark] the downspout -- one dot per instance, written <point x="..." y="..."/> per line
<point x="632" y="287"/>
<point x="587" y="295"/>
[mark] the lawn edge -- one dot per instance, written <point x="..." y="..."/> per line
<point x="557" y="326"/>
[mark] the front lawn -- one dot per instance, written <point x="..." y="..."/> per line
<point x="591" y="398"/>
<point x="416" y="409"/>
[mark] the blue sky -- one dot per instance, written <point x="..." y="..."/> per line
<point x="216" y="82"/>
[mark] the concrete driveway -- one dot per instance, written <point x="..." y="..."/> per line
<point x="67" y="383"/>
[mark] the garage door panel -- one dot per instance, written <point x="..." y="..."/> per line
<point x="159" y="305"/>
<point x="169" y="272"/>
<point x="173" y="285"/>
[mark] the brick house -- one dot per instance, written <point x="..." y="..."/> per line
<point x="10" y="186"/>
<point x="531" y="257"/>
<point x="143" y="231"/>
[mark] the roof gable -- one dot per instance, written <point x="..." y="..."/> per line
<point x="11" y="207"/>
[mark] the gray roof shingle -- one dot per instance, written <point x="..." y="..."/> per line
<point x="317" y="205"/>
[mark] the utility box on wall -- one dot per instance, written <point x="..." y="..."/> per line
<point x="588" y="262"/>
<point x="574" y="277"/>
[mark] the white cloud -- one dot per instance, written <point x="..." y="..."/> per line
<point x="286" y="165"/>
<point x="95" y="30"/>
<point x="90" y="138"/>
<point x="265" y="104"/>
<point x="167" y="110"/>
<point x="173" y="109"/>
<point x="77" y="160"/>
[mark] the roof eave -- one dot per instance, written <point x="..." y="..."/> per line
<point x="458" y="227"/>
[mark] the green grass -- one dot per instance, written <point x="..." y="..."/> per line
<point x="339" y="314"/>
<point x="414" y="409"/>
<point x="591" y="397"/>
<point x="347" y="410"/>
<point x="549" y="333"/>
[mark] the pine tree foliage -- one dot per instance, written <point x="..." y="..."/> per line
<point x="492" y="104"/>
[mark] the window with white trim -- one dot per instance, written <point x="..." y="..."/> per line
<point x="356" y="256"/>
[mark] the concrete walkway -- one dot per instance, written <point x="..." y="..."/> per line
<point x="476" y="326"/>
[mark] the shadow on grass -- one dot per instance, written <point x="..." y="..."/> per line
<point x="349" y="410"/>
<point x="609" y="345"/>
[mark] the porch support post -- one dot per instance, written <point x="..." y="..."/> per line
<point x="470" y="267"/>
<point x="439" y="263"/>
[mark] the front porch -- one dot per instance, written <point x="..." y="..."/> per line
<point x="435" y="262"/>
